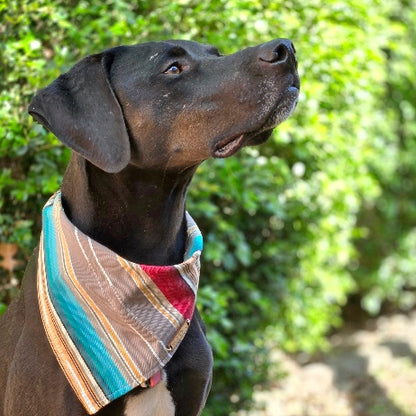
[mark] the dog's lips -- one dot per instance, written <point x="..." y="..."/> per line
<point x="227" y="147"/>
<point x="286" y="104"/>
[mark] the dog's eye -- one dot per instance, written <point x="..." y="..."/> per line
<point x="174" y="69"/>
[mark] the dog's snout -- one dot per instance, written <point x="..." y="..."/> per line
<point x="277" y="52"/>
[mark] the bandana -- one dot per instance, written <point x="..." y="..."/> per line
<point x="112" y="324"/>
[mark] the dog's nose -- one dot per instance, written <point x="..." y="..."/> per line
<point x="277" y="52"/>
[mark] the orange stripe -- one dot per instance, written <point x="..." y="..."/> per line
<point x="149" y="294"/>
<point x="100" y="316"/>
<point x="90" y="401"/>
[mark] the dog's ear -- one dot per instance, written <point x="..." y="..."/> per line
<point x="81" y="109"/>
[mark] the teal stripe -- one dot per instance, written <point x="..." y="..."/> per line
<point x="197" y="244"/>
<point x="76" y="322"/>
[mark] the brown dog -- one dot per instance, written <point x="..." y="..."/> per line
<point x="139" y="119"/>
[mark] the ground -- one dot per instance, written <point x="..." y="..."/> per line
<point x="369" y="371"/>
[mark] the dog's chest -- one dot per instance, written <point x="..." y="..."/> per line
<point x="155" y="401"/>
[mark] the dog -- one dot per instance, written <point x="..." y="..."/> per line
<point x="139" y="120"/>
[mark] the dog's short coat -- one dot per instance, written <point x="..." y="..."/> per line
<point x="139" y="120"/>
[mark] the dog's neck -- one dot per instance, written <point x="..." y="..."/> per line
<point x="139" y="215"/>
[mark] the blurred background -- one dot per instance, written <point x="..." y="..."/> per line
<point x="301" y="234"/>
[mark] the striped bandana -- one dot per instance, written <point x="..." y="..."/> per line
<point x="111" y="323"/>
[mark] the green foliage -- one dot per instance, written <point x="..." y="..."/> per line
<point x="386" y="269"/>
<point x="325" y="208"/>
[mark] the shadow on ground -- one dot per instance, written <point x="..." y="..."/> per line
<point x="370" y="371"/>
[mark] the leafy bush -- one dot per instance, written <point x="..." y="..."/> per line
<point x="386" y="268"/>
<point x="279" y="221"/>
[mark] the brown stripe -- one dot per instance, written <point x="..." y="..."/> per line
<point x="144" y="348"/>
<point x="130" y="316"/>
<point x="111" y="334"/>
<point x="61" y="348"/>
<point x="149" y="293"/>
<point x="178" y="337"/>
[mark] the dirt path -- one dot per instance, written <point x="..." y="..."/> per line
<point x="368" y="372"/>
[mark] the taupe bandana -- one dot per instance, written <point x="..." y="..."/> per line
<point x="111" y="323"/>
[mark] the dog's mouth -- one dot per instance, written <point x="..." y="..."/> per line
<point x="229" y="146"/>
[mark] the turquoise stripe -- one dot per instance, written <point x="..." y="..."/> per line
<point x="197" y="244"/>
<point x="76" y="322"/>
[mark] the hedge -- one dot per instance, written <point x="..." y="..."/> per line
<point x="324" y="210"/>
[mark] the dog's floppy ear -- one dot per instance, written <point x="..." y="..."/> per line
<point x="81" y="109"/>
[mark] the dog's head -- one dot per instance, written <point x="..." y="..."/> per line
<point x="173" y="104"/>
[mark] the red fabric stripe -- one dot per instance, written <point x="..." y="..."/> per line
<point x="175" y="289"/>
